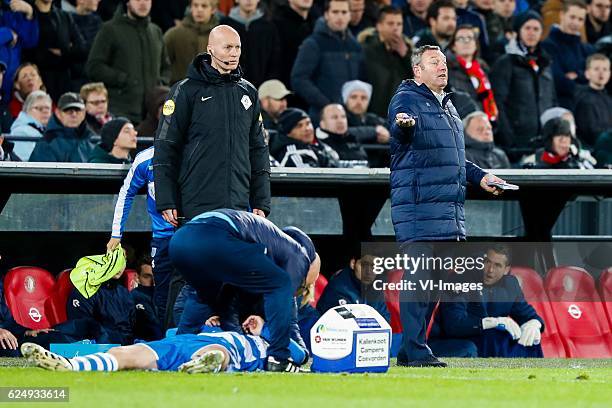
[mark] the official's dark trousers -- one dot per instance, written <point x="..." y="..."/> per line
<point x="210" y="253"/>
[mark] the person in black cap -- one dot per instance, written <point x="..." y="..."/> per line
<point x="296" y="144"/>
<point x="67" y="138"/>
<point x="118" y="139"/>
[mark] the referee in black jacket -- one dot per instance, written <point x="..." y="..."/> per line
<point x="210" y="150"/>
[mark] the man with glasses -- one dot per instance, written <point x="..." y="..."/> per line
<point x="67" y="138"/>
<point x="97" y="115"/>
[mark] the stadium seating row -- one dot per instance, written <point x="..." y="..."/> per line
<point x="578" y="318"/>
<point x="37" y="300"/>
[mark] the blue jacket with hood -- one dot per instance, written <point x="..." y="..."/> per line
<point x="429" y="172"/>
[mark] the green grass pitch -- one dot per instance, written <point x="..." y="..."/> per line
<point x="465" y="383"/>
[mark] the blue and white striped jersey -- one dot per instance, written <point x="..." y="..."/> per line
<point x="140" y="175"/>
<point x="247" y="353"/>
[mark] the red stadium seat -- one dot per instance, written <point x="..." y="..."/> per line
<point x="320" y="285"/>
<point x="533" y="289"/>
<point x="130" y="279"/>
<point x="580" y="315"/>
<point x="26" y="289"/>
<point x="55" y="305"/>
<point x="392" y="300"/>
<point x="605" y="289"/>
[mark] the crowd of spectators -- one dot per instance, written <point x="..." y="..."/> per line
<point x="70" y="67"/>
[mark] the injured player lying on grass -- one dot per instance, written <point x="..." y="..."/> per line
<point x="207" y="352"/>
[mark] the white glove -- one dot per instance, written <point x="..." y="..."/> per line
<point x="502" y="323"/>
<point x="530" y="333"/>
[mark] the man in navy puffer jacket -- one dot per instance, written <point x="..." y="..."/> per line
<point x="429" y="174"/>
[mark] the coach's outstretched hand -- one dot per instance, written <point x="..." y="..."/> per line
<point x="404" y="120"/>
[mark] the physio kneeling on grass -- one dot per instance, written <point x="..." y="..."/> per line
<point x="249" y="252"/>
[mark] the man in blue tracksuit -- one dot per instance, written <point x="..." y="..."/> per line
<point x="349" y="286"/>
<point x="429" y="174"/>
<point x="501" y="305"/>
<point x="249" y="252"/>
<point x="108" y="315"/>
<point x="139" y="176"/>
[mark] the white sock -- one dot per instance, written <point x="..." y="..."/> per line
<point x="95" y="362"/>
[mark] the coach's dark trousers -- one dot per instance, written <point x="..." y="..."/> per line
<point x="210" y="253"/>
<point x="414" y="306"/>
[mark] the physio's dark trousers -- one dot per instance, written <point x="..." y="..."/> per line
<point x="210" y="253"/>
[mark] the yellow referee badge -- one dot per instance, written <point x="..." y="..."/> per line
<point x="168" y="107"/>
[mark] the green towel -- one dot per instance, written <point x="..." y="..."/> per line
<point x="92" y="271"/>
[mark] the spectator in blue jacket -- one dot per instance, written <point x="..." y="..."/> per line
<point x="18" y="30"/>
<point x="32" y="121"/>
<point x="568" y="53"/>
<point x="67" y="139"/>
<point x="429" y="174"/>
<point x="327" y="59"/>
<point x="497" y="319"/>
<point x="349" y="286"/>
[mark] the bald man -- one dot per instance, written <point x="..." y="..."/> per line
<point x="210" y="150"/>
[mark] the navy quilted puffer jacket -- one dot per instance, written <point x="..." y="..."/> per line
<point x="429" y="172"/>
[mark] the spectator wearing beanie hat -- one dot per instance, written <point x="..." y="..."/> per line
<point x="523" y="83"/>
<point x="118" y="139"/>
<point x="366" y="127"/>
<point x="296" y="144"/>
